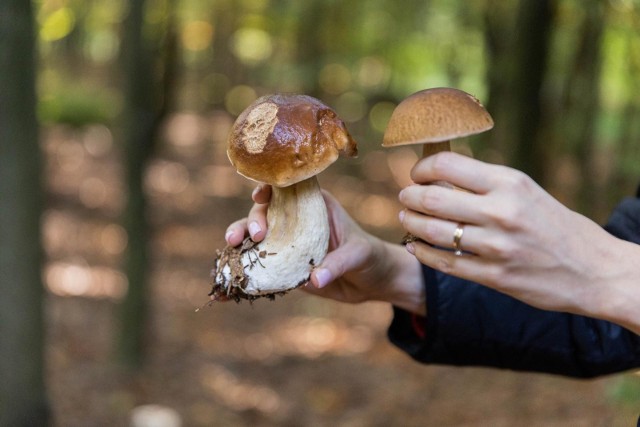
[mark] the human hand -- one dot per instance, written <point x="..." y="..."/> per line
<point x="517" y="238"/>
<point x="358" y="267"/>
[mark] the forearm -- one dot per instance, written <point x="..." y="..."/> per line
<point x="620" y="304"/>
<point x="619" y="301"/>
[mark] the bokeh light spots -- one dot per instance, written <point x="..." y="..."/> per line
<point x="57" y="25"/>
<point x="239" y="98"/>
<point x="334" y="79"/>
<point x="197" y="35"/>
<point x="380" y="114"/>
<point x="251" y="45"/>
<point x="351" y="106"/>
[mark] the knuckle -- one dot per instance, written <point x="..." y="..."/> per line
<point x="506" y="216"/>
<point x="498" y="249"/>
<point x="442" y="162"/>
<point x="430" y="232"/>
<point x="431" y="169"/>
<point x="496" y="275"/>
<point x="518" y="180"/>
<point x="430" y="199"/>
<point x="444" y="265"/>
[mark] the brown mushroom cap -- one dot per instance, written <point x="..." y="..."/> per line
<point x="436" y="115"/>
<point x="284" y="139"/>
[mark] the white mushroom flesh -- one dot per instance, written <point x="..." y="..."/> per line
<point x="297" y="240"/>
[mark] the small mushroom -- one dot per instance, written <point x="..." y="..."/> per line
<point x="284" y="141"/>
<point x="433" y="117"/>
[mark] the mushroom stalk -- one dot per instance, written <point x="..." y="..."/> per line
<point x="435" y="148"/>
<point x="297" y="239"/>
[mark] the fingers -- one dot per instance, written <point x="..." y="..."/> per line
<point x="462" y="171"/>
<point x="255" y="223"/>
<point x="235" y="232"/>
<point x="485" y="241"/>
<point x="442" y="202"/>
<point x="440" y="232"/>
<point x="333" y="266"/>
<point x="261" y="194"/>
<point x="257" y="218"/>
<point x="469" y="267"/>
<point x="336" y="263"/>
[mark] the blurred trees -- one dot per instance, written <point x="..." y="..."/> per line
<point x="521" y="54"/>
<point x="559" y="77"/>
<point x="556" y="74"/>
<point x="22" y="392"/>
<point x="147" y="70"/>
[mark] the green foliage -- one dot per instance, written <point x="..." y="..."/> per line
<point x="78" y="106"/>
<point x="356" y="54"/>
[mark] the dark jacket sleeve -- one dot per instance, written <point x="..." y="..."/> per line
<point x="468" y="324"/>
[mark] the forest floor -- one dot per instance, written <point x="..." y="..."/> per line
<point x="295" y="361"/>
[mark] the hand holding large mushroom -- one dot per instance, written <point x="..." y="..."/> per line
<point x="284" y="141"/>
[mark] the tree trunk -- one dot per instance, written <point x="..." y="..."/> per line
<point x="530" y="53"/>
<point x="22" y="392"/>
<point x="146" y="99"/>
<point x="498" y="43"/>
<point x="582" y="108"/>
<point x="517" y="46"/>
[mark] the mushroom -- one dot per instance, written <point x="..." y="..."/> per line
<point x="433" y="117"/>
<point x="283" y="141"/>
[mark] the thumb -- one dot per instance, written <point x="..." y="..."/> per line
<point x="335" y="264"/>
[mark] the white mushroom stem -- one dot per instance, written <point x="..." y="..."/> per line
<point x="297" y="239"/>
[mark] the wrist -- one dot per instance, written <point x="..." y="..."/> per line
<point x="619" y="295"/>
<point x="405" y="284"/>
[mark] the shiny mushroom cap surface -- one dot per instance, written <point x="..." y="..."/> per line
<point x="436" y="115"/>
<point x="283" y="139"/>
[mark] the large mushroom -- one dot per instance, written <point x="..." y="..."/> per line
<point x="432" y="118"/>
<point x="284" y="141"/>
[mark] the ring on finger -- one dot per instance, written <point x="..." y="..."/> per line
<point x="457" y="237"/>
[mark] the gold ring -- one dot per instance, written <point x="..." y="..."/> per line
<point x="457" y="236"/>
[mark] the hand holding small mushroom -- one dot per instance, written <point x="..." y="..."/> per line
<point x="433" y="117"/>
<point x="519" y="240"/>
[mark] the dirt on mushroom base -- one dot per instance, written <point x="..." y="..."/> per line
<point x="234" y="288"/>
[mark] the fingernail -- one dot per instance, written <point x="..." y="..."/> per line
<point x="324" y="277"/>
<point x="254" y="228"/>
<point x="410" y="248"/>
<point x="256" y="191"/>
<point x="228" y="236"/>
<point x="401" y="215"/>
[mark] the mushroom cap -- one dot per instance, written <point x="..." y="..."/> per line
<point x="283" y="139"/>
<point x="436" y="115"/>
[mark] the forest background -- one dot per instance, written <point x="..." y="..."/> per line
<point x="115" y="192"/>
